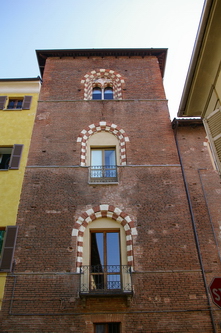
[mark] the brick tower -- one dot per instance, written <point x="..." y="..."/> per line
<point x="105" y="240"/>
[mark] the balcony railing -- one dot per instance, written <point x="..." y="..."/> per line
<point x="103" y="174"/>
<point x="105" y="280"/>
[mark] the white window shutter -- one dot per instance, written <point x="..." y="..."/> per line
<point x="213" y="128"/>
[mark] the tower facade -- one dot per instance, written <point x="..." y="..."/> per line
<point x="105" y="242"/>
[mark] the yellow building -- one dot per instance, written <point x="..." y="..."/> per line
<point x="18" y="104"/>
<point x="202" y="92"/>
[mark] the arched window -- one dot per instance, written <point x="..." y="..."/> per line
<point x="104" y="264"/>
<point x="102" y="140"/>
<point x="108" y="93"/>
<point x="103" y="158"/>
<point x="102" y="93"/>
<point x="110" y="83"/>
<point x="97" y="93"/>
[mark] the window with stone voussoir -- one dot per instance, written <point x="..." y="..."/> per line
<point x="105" y="270"/>
<point x="103" y="84"/>
<point x="103" y="164"/>
<point x="103" y="158"/>
<point x="99" y="93"/>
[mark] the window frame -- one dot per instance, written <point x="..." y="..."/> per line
<point x="105" y="224"/>
<point x="15" y="103"/>
<point x="5" y="100"/>
<point x="103" y="271"/>
<point x="106" y="327"/>
<point x="102" y="93"/>
<point x="108" y="173"/>
<point x="15" y="156"/>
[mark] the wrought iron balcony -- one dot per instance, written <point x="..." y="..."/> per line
<point x="103" y="174"/>
<point x="105" y="280"/>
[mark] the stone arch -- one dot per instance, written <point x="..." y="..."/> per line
<point x="106" y="127"/>
<point x="102" y="78"/>
<point x="104" y="211"/>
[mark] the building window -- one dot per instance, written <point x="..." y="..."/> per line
<point x="102" y="93"/>
<point x="105" y="260"/>
<point x="108" y="93"/>
<point x="105" y="270"/>
<point x="15" y="103"/>
<point x="10" y="157"/>
<point x="110" y="82"/>
<point x="2" y="235"/>
<point x="107" y="328"/>
<point x="97" y="93"/>
<point x="8" y="237"/>
<point x="103" y="165"/>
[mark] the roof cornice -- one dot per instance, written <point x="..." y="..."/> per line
<point x="21" y="79"/>
<point x="161" y="54"/>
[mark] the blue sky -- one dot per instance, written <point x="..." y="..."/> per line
<point x="27" y="25"/>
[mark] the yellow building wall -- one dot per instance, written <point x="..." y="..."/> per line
<point x="16" y="128"/>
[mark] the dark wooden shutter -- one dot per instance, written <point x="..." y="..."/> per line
<point x="8" y="249"/>
<point x="15" y="157"/>
<point x="2" y="102"/>
<point x="27" y="102"/>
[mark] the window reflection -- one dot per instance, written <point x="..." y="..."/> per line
<point x="102" y="93"/>
<point x="103" y="163"/>
<point x="105" y="260"/>
<point x="108" y="93"/>
<point x="97" y="93"/>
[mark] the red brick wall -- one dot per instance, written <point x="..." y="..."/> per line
<point x="141" y="75"/>
<point x="203" y="183"/>
<point x="169" y="292"/>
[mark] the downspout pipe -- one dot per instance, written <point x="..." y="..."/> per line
<point x="175" y="127"/>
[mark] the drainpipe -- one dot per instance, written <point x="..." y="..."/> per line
<point x="175" y="126"/>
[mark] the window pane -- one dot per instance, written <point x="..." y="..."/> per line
<point x="114" y="328"/>
<point x="110" y="163"/>
<point x="97" y="248"/>
<point x="2" y="234"/>
<point x="113" y="248"/>
<point x="107" y="328"/>
<point x="11" y="104"/>
<point x="110" y="157"/>
<point x="97" y="261"/>
<point x="97" y="94"/>
<point x="96" y="157"/>
<point x="4" y="161"/>
<point x="108" y="93"/>
<point x="96" y="163"/>
<point x="100" y="328"/>
<point x="113" y="281"/>
<point x="19" y="104"/>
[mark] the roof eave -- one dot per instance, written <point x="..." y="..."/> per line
<point x="194" y="57"/>
<point x="161" y="54"/>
